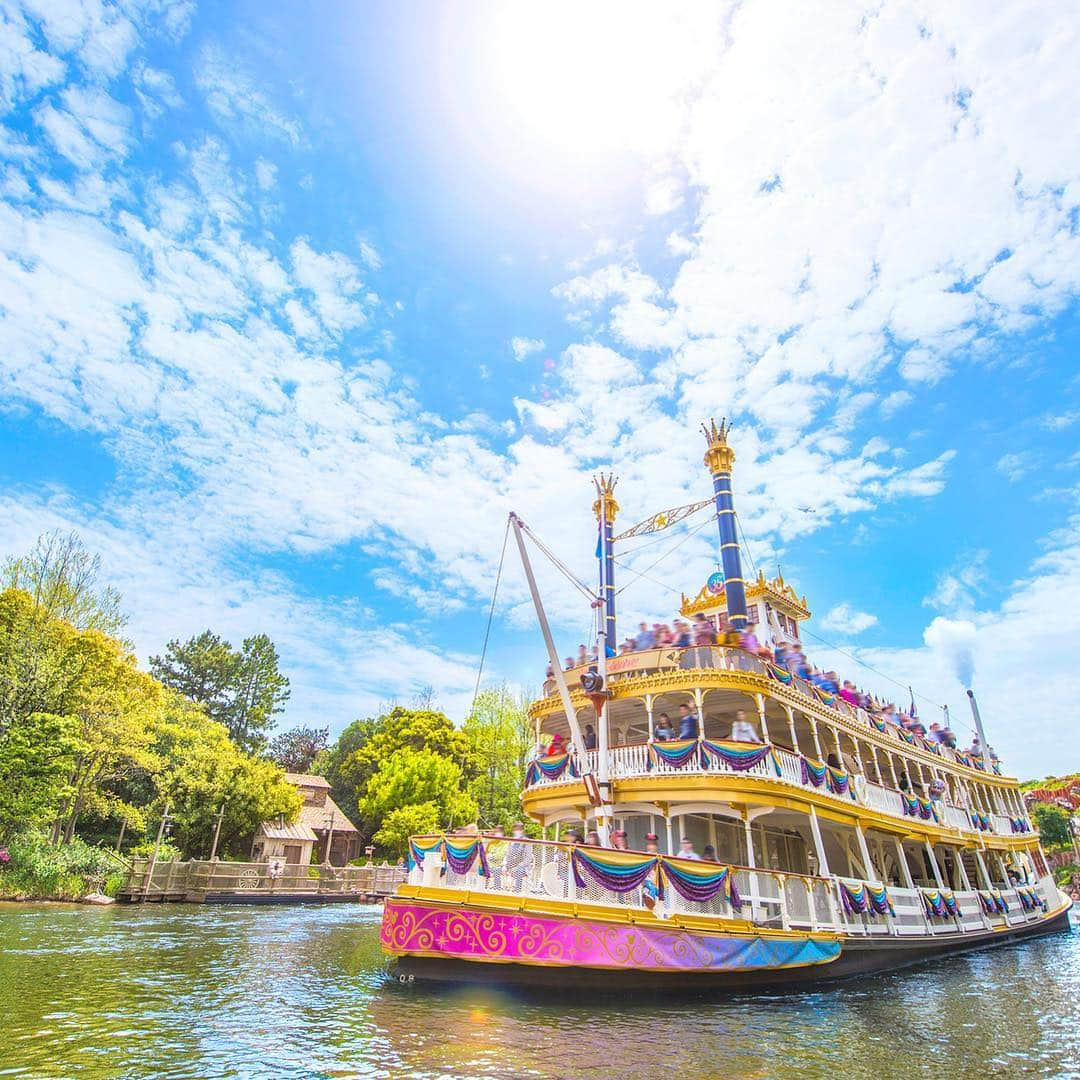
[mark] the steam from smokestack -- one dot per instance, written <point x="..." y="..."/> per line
<point x="954" y="641"/>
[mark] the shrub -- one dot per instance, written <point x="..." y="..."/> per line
<point x="40" y="870"/>
<point x="167" y="852"/>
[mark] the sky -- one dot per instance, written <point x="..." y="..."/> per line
<point x="298" y="301"/>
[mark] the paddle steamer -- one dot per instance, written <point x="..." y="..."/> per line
<point x="844" y="842"/>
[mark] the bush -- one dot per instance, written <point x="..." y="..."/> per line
<point x="166" y="852"/>
<point x="38" y="870"/>
<point x="1067" y="875"/>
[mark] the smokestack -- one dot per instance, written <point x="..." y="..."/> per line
<point x="978" y="721"/>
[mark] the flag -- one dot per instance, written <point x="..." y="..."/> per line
<point x="600" y="539"/>
<point x="913" y="712"/>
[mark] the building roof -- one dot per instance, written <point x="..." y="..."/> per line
<point x="300" y="779"/>
<point x="318" y="817"/>
<point x="297" y="831"/>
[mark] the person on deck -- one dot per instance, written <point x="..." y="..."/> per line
<point x="592" y="838"/>
<point x="568" y="663"/>
<point x="686" y="849"/>
<point x="682" y="635"/>
<point x="590" y="737"/>
<point x="708" y="853"/>
<point x="556" y="745"/>
<point x="688" y="723"/>
<point x="582" y="656"/>
<point x="646" y="638"/>
<point x="704" y="632"/>
<point x="663" y="732"/>
<point x="742" y="730"/>
<point x="618" y="840"/>
<point x="652" y="846"/>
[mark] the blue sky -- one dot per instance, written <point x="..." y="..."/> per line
<point x="296" y="302"/>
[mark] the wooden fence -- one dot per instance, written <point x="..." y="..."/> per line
<point x="203" y="881"/>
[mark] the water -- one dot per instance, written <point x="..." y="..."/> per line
<point x="185" y="991"/>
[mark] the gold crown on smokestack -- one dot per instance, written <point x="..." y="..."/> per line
<point x="605" y="489"/>
<point x="719" y="457"/>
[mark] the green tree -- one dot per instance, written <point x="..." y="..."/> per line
<point x="1053" y="825"/>
<point x="203" y="771"/>
<point x="500" y="740"/>
<point x="296" y="749"/>
<point x="398" y="825"/>
<point x="36" y="760"/>
<point x="242" y="689"/>
<point x="61" y="577"/>
<point x="415" y="778"/>
<point x="365" y="744"/>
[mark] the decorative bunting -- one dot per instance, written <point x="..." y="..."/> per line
<point x="911" y="804"/>
<point x="824" y="695"/>
<point x="939" y="902"/>
<point x="739" y="756"/>
<point x="1029" y="898"/>
<point x="878" y="723"/>
<point x="549" y="768"/>
<point x="813" y="772"/>
<point x="853" y="898"/>
<point x="619" y="871"/>
<point x="993" y="902"/>
<point x="907" y="736"/>
<point x="675" y="754"/>
<point x="839" y="782"/>
<point x="461" y="857"/>
<point x="980" y="821"/>
<point x="879" y="899"/>
<point x="417" y="851"/>
<point x="1019" y="825"/>
<point x="699" y="882"/>
<point x="779" y="674"/>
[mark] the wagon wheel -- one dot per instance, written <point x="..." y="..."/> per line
<point x="248" y="879"/>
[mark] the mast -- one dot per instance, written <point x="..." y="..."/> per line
<point x="720" y="458"/>
<point x="553" y="656"/>
<point x="978" y="725"/>
<point x="605" y="508"/>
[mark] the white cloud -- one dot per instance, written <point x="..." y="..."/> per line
<point x="265" y="174"/>
<point x="892" y="403"/>
<point x="523" y="347"/>
<point x="845" y="619"/>
<point x="959" y="588"/>
<point x="663" y="196"/>
<point x="1015" y="465"/>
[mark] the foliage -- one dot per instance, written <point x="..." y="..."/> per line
<point x="500" y="738"/>
<point x="36" y="759"/>
<point x="412" y="778"/>
<point x="203" y="771"/>
<point x="295" y="750"/>
<point x="1067" y="875"/>
<point x="38" y="868"/>
<point x="406" y="821"/>
<point x="1053" y="824"/>
<point x="241" y="688"/>
<point x="365" y="744"/>
<point x="167" y="851"/>
<point x="61" y="577"/>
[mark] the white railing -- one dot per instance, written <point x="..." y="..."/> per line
<point x="634" y="761"/>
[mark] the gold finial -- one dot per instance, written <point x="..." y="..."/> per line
<point x="719" y="457"/>
<point x="605" y="489"/>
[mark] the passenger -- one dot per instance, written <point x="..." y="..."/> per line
<point x="568" y="663"/>
<point x="652" y="846"/>
<point x="904" y="782"/>
<point x="937" y="733"/>
<point x="834" y="762"/>
<point x="573" y="836"/>
<point x="618" y="840"/>
<point x="949" y="738"/>
<point x="742" y="730"/>
<point x="708" y="853"/>
<point x="663" y="732"/>
<point x="682" y="635"/>
<point x="556" y="745"/>
<point x="704" y="632"/>
<point x="582" y="656"/>
<point x="781" y="654"/>
<point x="686" y="849"/>
<point x="592" y="838"/>
<point x="664" y="636"/>
<point x="849" y="693"/>
<point x="590" y="737"/>
<point x="517" y="856"/>
<point x="627" y="647"/>
<point x="646" y="638"/>
<point x="688" y="723"/>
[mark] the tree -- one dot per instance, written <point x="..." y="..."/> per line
<point x="241" y="689"/>
<point x="365" y="744"/>
<point x="36" y="759"/>
<point x="295" y="750"/>
<point x="500" y="739"/>
<point x="61" y="577"/>
<point x="1053" y="825"/>
<point x="398" y="825"/>
<point x="203" y="772"/>
<point x="411" y="778"/>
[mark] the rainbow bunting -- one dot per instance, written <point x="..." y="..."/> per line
<point x="418" y="851"/>
<point x="911" y="804"/>
<point x="907" y="736"/>
<point x="996" y="766"/>
<point x="550" y="768"/>
<point x="779" y="674"/>
<point x="993" y="902"/>
<point x="619" y="871"/>
<point x="939" y="902"/>
<point x="926" y="809"/>
<point x="825" y="696"/>
<point x="813" y="772"/>
<point x="699" y="882"/>
<point x="839" y="782"/>
<point x="739" y="756"/>
<point x="675" y="754"/>
<point x="461" y="857"/>
<point x="981" y="821"/>
<point x="1019" y="825"/>
<point x="879" y="899"/>
<point x="878" y="723"/>
<point x="853" y="898"/>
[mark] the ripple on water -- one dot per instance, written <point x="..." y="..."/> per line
<point x="303" y="993"/>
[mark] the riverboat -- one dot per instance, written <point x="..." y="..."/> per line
<point x="840" y="841"/>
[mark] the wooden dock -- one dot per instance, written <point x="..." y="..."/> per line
<point x="200" y="881"/>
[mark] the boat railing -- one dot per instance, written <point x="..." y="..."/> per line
<point x="781" y="765"/>
<point x="544" y="870"/>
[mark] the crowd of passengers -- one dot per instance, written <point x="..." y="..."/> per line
<point x="618" y="841"/>
<point x="784" y="655"/>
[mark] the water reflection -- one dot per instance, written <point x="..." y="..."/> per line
<point x="241" y="992"/>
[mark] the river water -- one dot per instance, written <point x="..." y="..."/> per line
<point x="187" y="991"/>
